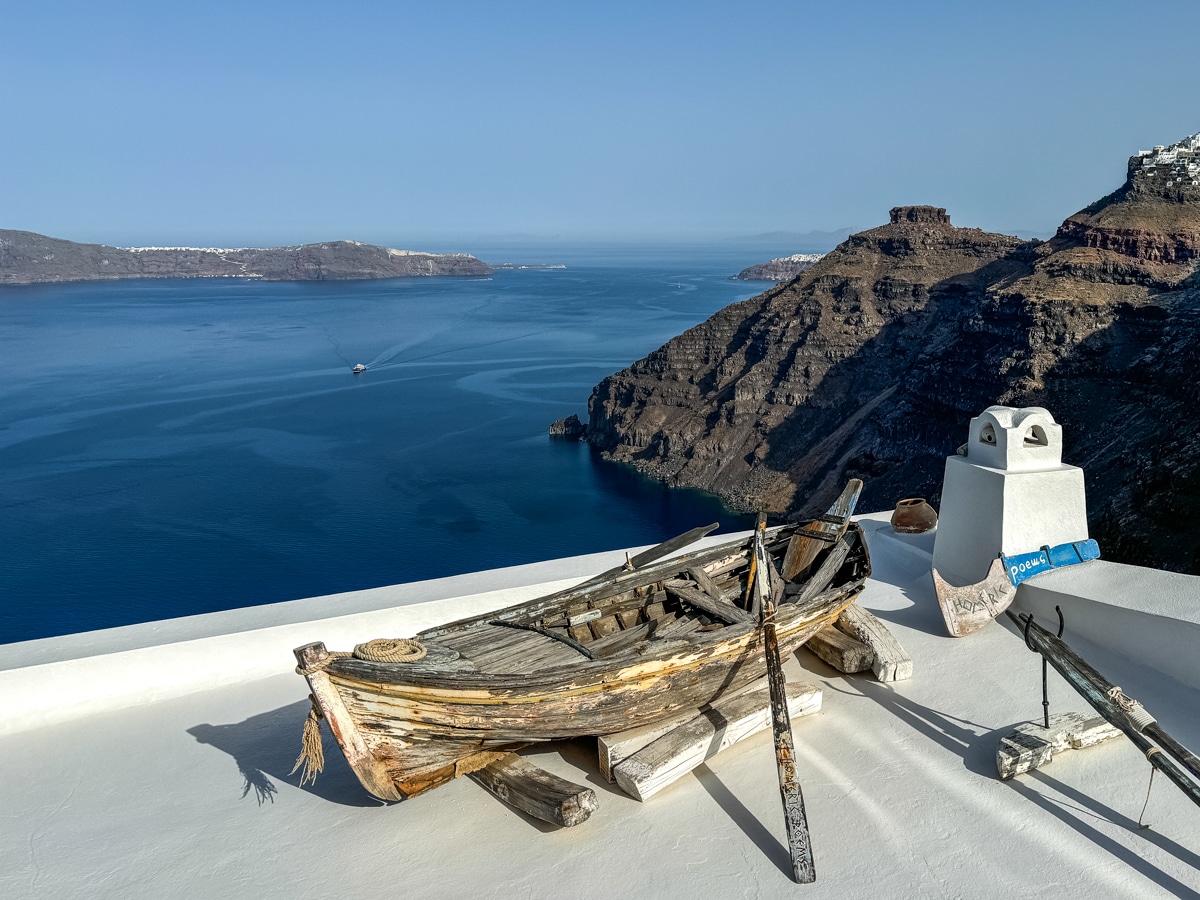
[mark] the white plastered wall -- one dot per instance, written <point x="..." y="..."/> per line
<point x="1010" y="493"/>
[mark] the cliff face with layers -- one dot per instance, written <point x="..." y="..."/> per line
<point x="29" y="258"/>
<point x="872" y="362"/>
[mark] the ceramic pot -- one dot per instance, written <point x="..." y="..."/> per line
<point x="913" y="516"/>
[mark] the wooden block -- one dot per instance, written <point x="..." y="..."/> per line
<point x="580" y="633"/>
<point x="656" y="610"/>
<point x="724" y="723"/>
<point x="627" y="617"/>
<point x="892" y="663"/>
<point x="606" y="626"/>
<point x="1030" y="746"/>
<point x="613" y="748"/>
<point x="840" y="650"/>
<point x="524" y="786"/>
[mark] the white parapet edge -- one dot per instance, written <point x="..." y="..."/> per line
<point x="44" y="694"/>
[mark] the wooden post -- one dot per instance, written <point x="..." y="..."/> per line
<point x="799" y="842"/>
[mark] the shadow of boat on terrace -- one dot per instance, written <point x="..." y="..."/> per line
<point x="264" y="748"/>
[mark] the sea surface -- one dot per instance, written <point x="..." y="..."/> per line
<point x="172" y="447"/>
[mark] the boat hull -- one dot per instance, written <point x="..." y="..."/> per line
<point x="407" y="728"/>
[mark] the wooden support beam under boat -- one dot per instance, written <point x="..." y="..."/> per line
<point x="892" y="662"/>
<point x="534" y="791"/>
<point x="724" y="723"/>
<point x="841" y="651"/>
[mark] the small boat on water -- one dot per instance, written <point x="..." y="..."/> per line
<point x="359" y="368"/>
<point x="627" y="648"/>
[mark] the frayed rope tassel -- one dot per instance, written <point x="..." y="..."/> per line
<point x="312" y="753"/>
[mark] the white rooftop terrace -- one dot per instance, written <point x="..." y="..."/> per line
<point x="153" y="761"/>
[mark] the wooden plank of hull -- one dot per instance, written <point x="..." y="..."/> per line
<point x="365" y="764"/>
<point x="705" y="582"/>
<point x="681" y="749"/>
<point x="545" y="796"/>
<point x="654" y="554"/>
<point x="705" y="602"/>
<point x="802" y="549"/>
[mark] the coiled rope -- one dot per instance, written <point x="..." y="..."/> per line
<point x="1134" y="711"/>
<point x="391" y="650"/>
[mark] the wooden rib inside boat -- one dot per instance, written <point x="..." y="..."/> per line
<point x="616" y="652"/>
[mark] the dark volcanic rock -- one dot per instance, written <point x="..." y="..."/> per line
<point x="785" y="268"/>
<point x="27" y="258"/>
<point x="872" y="362"/>
<point x="570" y="427"/>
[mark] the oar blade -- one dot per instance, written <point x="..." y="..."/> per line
<point x="804" y="549"/>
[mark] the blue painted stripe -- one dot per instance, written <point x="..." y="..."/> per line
<point x="1023" y="566"/>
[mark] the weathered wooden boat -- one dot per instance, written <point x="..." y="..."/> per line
<point x="624" y="649"/>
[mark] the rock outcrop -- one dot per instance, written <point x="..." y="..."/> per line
<point x="872" y="362"/>
<point x="570" y="427"/>
<point x="785" y="268"/>
<point x="28" y="258"/>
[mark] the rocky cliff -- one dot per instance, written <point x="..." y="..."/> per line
<point x="872" y="362"/>
<point x="27" y="258"/>
<point x="785" y="268"/>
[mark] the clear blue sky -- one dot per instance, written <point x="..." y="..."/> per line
<point x="410" y="124"/>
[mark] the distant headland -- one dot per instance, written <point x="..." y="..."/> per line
<point x="785" y="268"/>
<point x="29" y="258"/>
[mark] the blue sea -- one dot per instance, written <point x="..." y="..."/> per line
<point x="173" y="447"/>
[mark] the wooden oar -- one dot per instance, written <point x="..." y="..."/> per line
<point x="795" y="820"/>
<point x="666" y="548"/>
<point x="804" y="548"/>
<point x="1107" y="700"/>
